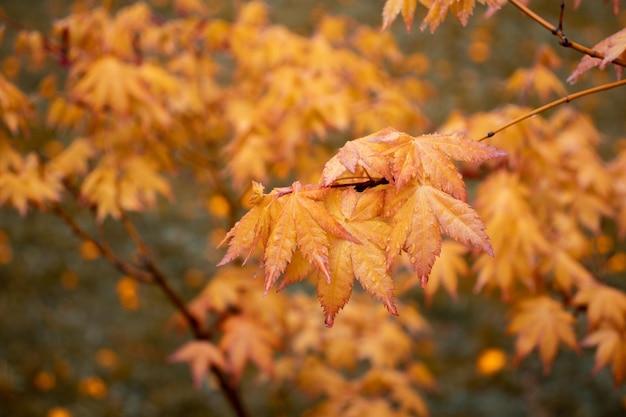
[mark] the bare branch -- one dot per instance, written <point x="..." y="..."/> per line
<point x="553" y="104"/>
<point x="558" y="32"/>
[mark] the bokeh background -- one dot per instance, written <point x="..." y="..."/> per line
<point x="78" y="339"/>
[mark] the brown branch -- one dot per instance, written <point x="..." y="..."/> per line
<point x="558" y="32"/>
<point x="122" y="266"/>
<point x="555" y="103"/>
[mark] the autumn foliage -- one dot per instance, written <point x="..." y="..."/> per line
<point x="137" y="105"/>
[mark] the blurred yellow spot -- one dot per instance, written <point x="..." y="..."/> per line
<point x="127" y="293"/>
<point x="218" y="206"/>
<point x="93" y="387"/>
<point x="58" y="412"/>
<point x="106" y="358"/>
<point x="88" y="250"/>
<point x="617" y="263"/>
<point x="479" y="51"/>
<point x="194" y="277"/>
<point x="11" y="66"/>
<point x="490" y="361"/>
<point x="418" y="63"/>
<point x="44" y="381"/>
<point x="604" y="244"/>
<point x="48" y="87"/>
<point x="69" y="280"/>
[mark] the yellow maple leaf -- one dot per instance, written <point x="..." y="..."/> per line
<point x="365" y="260"/>
<point x="14" y="106"/>
<point x="514" y="231"/>
<point x="201" y="357"/>
<point x="610" y="349"/>
<point x="447" y="270"/>
<point x="393" y="7"/>
<point x="29" y="182"/>
<point x="541" y="323"/>
<point x="605" y="305"/>
<point x="538" y="79"/>
<point x="246" y="340"/>
<point x="420" y="213"/>
<point x="438" y="10"/>
<point x="253" y="228"/>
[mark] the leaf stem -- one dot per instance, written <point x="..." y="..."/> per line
<point x="555" y="103"/>
<point x="558" y="32"/>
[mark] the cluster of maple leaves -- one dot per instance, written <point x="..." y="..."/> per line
<point x="145" y="101"/>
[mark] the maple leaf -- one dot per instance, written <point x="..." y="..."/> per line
<point x="542" y="323"/>
<point x="430" y="156"/>
<point x="611" y="47"/>
<point x="393" y="7"/>
<point x="514" y="231"/>
<point x="611" y="349"/>
<point x="201" y="357"/>
<point x="253" y="228"/>
<point x="110" y="83"/>
<point x="399" y="157"/>
<point x="365" y="260"/>
<point x="538" y="79"/>
<point x="605" y="305"/>
<point x="366" y="153"/>
<point x="301" y="222"/>
<point x="438" y="10"/>
<point x="446" y="271"/>
<point x="73" y="159"/>
<point x="14" y="106"/>
<point x="245" y="340"/>
<point x="420" y="212"/>
<point x="31" y="182"/>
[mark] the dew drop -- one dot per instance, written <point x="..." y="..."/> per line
<point x="423" y="281"/>
<point x="435" y="147"/>
<point x="329" y="321"/>
<point x="413" y="259"/>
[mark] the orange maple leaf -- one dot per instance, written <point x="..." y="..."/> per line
<point x="393" y="7"/>
<point x="611" y="47"/>
<point x="420" y="212"/>
<point x="253" y="228"/>
<point x="462" y="9"/>
<point x="430" y="156"/>
<point x="604" y="305"/>
<point x="247" y="340"/>
<point x="447" y="270"/>
<point x="303" y="221"/>
<point x="360" y="214"/>
<point x="201" y="357"/>
<point x="611" y="348"/>
<point x="542" y="323"/>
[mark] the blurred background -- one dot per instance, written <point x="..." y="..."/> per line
<point x="78" y="339"/>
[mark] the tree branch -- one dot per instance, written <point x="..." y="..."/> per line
<point x="558" y="32"/>
<point x="555" y="103"/>
<point x="122" y="266"/>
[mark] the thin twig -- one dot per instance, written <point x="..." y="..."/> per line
<point x="555" y="103"/>
<point x="122" y="266"/>
<point x="558" y="32"/>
